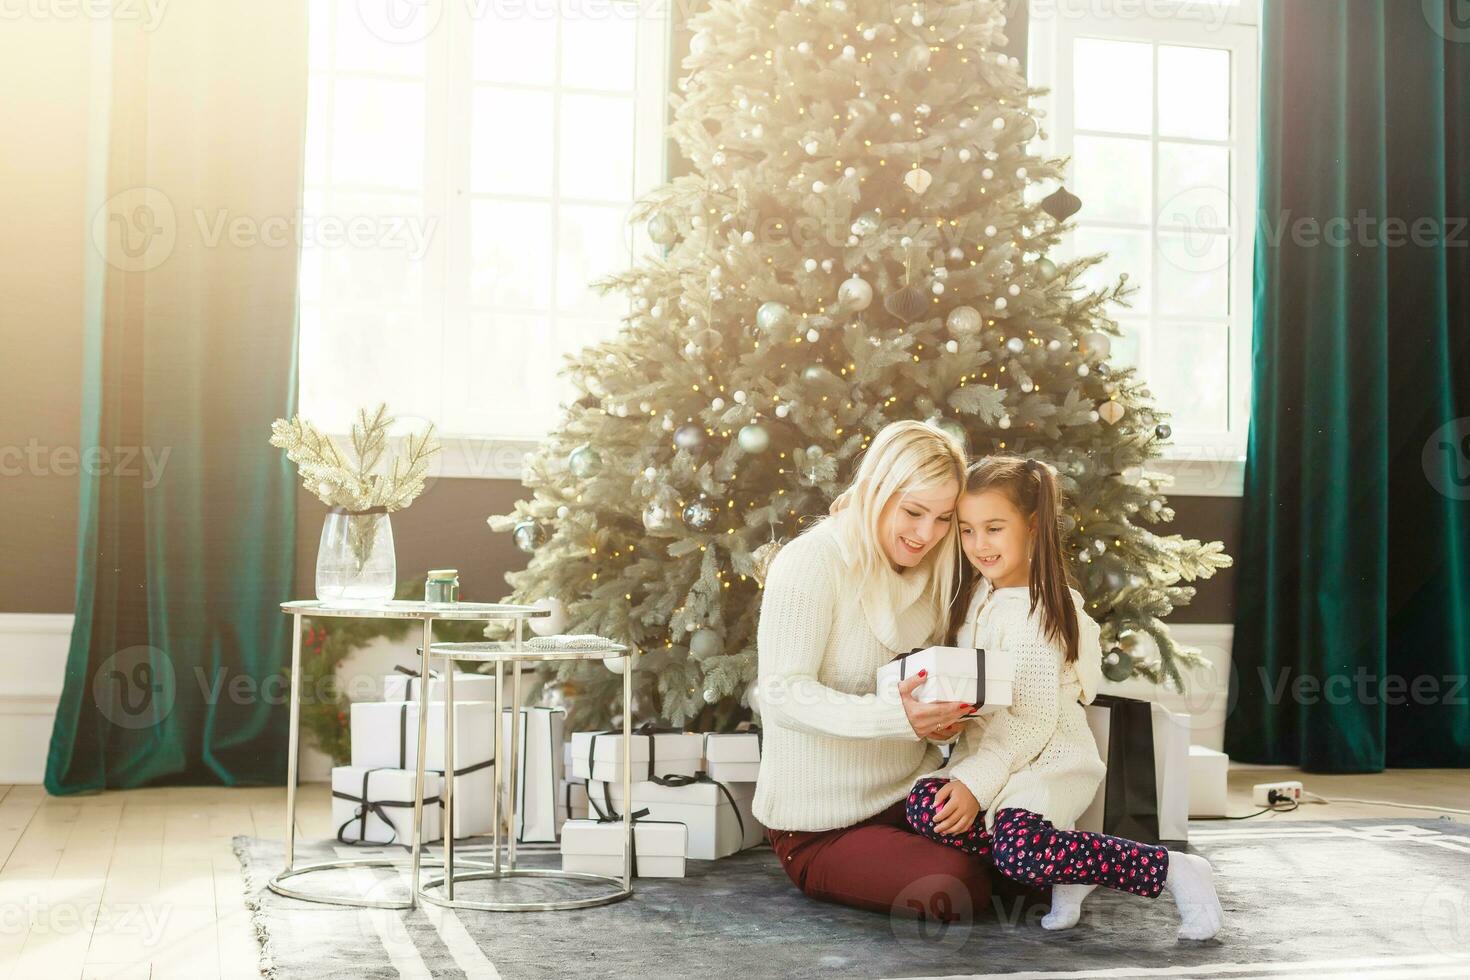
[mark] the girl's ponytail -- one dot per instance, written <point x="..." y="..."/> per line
<point x="1049" y="584"/>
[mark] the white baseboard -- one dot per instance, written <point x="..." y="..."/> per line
<point x="33" y="649"/>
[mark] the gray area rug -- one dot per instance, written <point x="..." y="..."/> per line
<point x="1352" y="898"/>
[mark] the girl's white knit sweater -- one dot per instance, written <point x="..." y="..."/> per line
<point x="1038" y="754"/>
<point x="835" y="751"/>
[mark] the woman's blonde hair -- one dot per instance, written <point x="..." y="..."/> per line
<point x="904" y="457"/>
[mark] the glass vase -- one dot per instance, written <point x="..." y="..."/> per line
<point x="355" y="561"/>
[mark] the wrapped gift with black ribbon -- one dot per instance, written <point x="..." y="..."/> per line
<point x="403" y="685"/>
<point x="596" y="846"/>
<point x="655" y="752"/>
<point x="375" y="806"/>
<point x="972" y="675"/>
<point x="733" y="757"/>
<point x="540" y="774"/>
<point x="385" y="736"/>
<point x="719" y="815"/>
<point x="1145" y="794"/>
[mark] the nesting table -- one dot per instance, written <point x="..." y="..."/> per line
<point x="515" y="652"/>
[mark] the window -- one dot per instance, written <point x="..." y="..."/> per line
<point x="1156" y="105"/>
<point x="470" y="169"/>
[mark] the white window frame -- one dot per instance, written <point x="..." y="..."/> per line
<point x="1202" y="464"/>
<point x="447" y="191"/>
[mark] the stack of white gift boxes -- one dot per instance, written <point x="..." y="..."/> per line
<point x="372" y="799"/>
<point x="692" y="798"/>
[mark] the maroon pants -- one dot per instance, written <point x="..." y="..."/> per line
<point x="882" y="865"/>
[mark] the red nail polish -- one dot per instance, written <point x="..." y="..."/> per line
<point x="923" y="673"/>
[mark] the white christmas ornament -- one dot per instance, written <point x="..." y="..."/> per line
<point x="552" y="624"/>
<point x="918" y="180"/>
<point x="855" y="293"/>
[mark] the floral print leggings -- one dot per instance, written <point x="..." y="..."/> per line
<point x="1027" y="848"/>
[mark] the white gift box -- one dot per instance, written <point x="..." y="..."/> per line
<point x="597" y="848"/>
<point x="954" y="676"/>
<point x="539" y="773"/>
<point x="572" y="802"/>
<point x="715" y="827"/>
<point x="385" y="735"/>
<point x="732" y="757"/>
<point x="1171" y="770"/>
<point x="1208" y="782"/>
<point x="467" y="687"/>
<point x="390" y="819"/>
<point x="674" y="754"/>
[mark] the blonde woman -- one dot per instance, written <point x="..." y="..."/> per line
<point x="873" y="580"/>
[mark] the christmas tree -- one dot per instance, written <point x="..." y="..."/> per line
<point x="864" y="239"/>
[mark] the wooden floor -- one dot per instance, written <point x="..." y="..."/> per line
<point x="143" y="883"/>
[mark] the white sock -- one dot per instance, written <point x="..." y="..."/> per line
<point x="1200" y="914"/>
<point x="1066" y="906"/>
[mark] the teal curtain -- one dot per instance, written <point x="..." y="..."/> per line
<point x="185" y="538"/>
<point x="1352" y="631"/>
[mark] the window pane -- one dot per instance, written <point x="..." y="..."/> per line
<point x="516" y="43"/>
<point x="598" y="45"/>
<point x="511" y="257"/>
<point x="1194" y="92"/>
<point x="593" y="242"/>
<point x="359" y="356"/>
<point x="512" y="141"/>
<point x="385" y="36"/>
<point x="500" y="381"/>
<point x="1194" y="186"/>
<point x="1113" y="85"/>
<point x="1128" y="251"/>
<point x="378" y="133"/>
<point x="372" y="248"/>
<point x="1193" y="273"/>
<point x="596" y="154"/>
<point x="1111" y="175"/>
<point x="1130" y="349"/>
<point x="1189" y="371"/>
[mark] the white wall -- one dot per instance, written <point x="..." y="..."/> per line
<point x="32" y="662"/>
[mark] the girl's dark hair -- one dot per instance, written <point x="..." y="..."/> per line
<point x="1032" y="486"/>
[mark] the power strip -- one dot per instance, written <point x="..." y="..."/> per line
<point x="1270" y="794"/>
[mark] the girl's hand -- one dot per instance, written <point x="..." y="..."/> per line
<point x="955" y="808"/>
<point x="945" y="734"/>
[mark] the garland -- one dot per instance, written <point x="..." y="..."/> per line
<point x="325" y="643"/>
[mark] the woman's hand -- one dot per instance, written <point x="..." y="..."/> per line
<point x="930" y="720"/>
<point x="955" y="808"/>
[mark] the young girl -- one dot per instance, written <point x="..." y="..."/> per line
<point x="1033" y="768"/>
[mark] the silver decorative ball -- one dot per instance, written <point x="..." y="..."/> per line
<point x="705" y="643"/>
<point x="1163" y="431"/>
<point x="754" y="438"/>
<point x="866" y="223"/>
<point x="689" y="437"/>
<point x="584" y="461"/>
<point x="657" y="518"/>
<point x="855" y="293"/>
<point x="1015" y="345"/>
<point x="528" y="536"/>
<point x="1095" y="344"/>
<point x="963" y="321"/>
<point x="698" y="515"/>
<point x="771" y="315"/>
<point x="662" y="229"/>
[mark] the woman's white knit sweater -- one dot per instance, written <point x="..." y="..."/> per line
<point x="1038" y="754"/>
<point x="835" y="751"/>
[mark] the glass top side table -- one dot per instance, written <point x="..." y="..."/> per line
<point x="426" y="612"/>
<point x="515" y="652"/>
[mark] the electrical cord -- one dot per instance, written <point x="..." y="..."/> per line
<point x="1275" y="798"/>
<point x="1406" y="806"/>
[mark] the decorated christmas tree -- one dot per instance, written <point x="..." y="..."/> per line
<point x="864" y="239"/>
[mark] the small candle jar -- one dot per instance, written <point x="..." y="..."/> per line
<point x="442" y="586"/>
